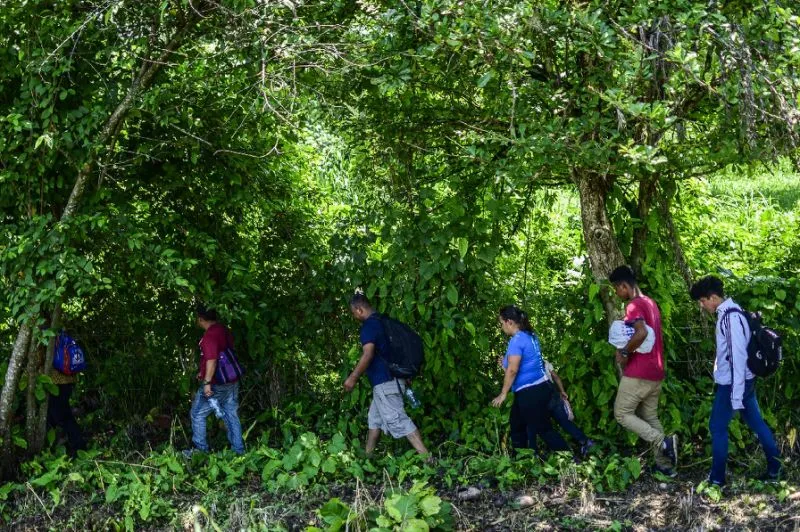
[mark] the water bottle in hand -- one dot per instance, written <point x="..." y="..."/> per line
<point x="412" y="399"/>
<point x="215" y="407"/>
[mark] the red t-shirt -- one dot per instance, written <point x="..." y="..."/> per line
<point x="216" y="339"/>
<point x="649" y="366"/>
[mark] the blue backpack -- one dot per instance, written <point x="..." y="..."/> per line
<point x="69" y="357"/>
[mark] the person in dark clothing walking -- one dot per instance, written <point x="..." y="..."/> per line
<point x="59" y="412"/>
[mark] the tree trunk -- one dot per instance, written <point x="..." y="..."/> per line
<point x="598" y="233"/>
<point x="7" y="395"/>
<point x="647" y="191"/>
<point x="31" y="404"/>
<point x="674" y="238"/>
<point x="145" y="76"/>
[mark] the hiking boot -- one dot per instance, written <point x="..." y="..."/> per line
<point x="586" y="447"/>
<point x="666" y="471"/>
<point x="671" y="449"/>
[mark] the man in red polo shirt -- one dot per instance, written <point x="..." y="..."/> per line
<point x="636" y="405"/>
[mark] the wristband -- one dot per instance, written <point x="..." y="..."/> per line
<point x="624" y="353"/>
<point x="206" y="383"/>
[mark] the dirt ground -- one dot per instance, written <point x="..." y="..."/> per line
<point x="648" y="505"/>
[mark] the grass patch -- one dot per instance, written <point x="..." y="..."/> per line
<point x="778" y="184"/>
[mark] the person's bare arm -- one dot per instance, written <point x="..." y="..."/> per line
<point x="639" y="335"/>
<point x="559" y="384"/>
<point x="211" y="367"/>
<point x="511" y="374"/>
<point x="367" y="353"/>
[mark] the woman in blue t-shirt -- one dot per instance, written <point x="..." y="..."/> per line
<point x="525" y="375"/>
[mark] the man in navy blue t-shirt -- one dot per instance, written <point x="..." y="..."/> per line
<point x="386" y="412"/>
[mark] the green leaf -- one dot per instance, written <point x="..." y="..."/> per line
<point x="486" y="78"/>
<point x="400" y="507"/>
<point x="469" y="327"/>
<point x="452" y="295"/>
<point x="635" y="467"/>
<point x="594" y="289"/>
<point x="45" y="479"/>
<point x="463" y="245"/>
<point x="384" y="522"/>
<point x="416" y="525"/>
<point x="329" y="465"/>
<point x="430" y="505"/>
<point x="314" y="457"/>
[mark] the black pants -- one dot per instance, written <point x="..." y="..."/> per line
<point x="59" y="414"/>
<point x="530" y="410"/>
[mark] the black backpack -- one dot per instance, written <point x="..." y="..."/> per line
<point x="764" y="351"/>
<point x="406" y="353"/>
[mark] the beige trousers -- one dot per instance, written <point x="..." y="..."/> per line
<point x="636" y="409"/>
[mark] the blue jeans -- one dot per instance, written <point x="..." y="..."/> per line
<point x="559" y="413"/>
<point x="721" y="415"/>
<point x="227" y="397"/>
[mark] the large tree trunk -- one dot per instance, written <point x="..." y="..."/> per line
<point x="31" y="404"/>
<point x="598" y="233"/>
<point x="7" y="395"/>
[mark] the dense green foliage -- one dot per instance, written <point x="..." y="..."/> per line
<point x="442" y="156"/>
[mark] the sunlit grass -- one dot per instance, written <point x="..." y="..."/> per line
<point x="778" y="184"/>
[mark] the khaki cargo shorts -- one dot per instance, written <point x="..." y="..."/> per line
<point x="387" y="412"/>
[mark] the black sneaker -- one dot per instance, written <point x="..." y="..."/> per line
<point x="671" y="449"/>
<point x="586" y="447"/>
<point x="666" y="471"/>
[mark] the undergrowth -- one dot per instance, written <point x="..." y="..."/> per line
<point x="330" y="480"/>
<point x="164" y="487"/>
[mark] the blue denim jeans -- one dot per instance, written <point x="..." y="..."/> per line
<point x="227" y="397"/>
<point x="721" y="415"/>
<point x="559" y="413"/>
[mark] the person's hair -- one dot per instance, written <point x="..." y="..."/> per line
<point x="359" y="300"/>
<point x="623" y="274"/>
<point x="206" y="313"/>
<point x="518" y="316"/>
<point x="707" y="287"/>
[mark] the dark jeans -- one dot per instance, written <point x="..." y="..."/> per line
<point x="559" y="413"/>
<point x="530" y="411"/>
<point x="721" y="415"/>
<point x="59" y="414"/>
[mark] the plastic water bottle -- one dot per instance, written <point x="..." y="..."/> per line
<point x="412" y="399"/>
<point x="215" y="407"/>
